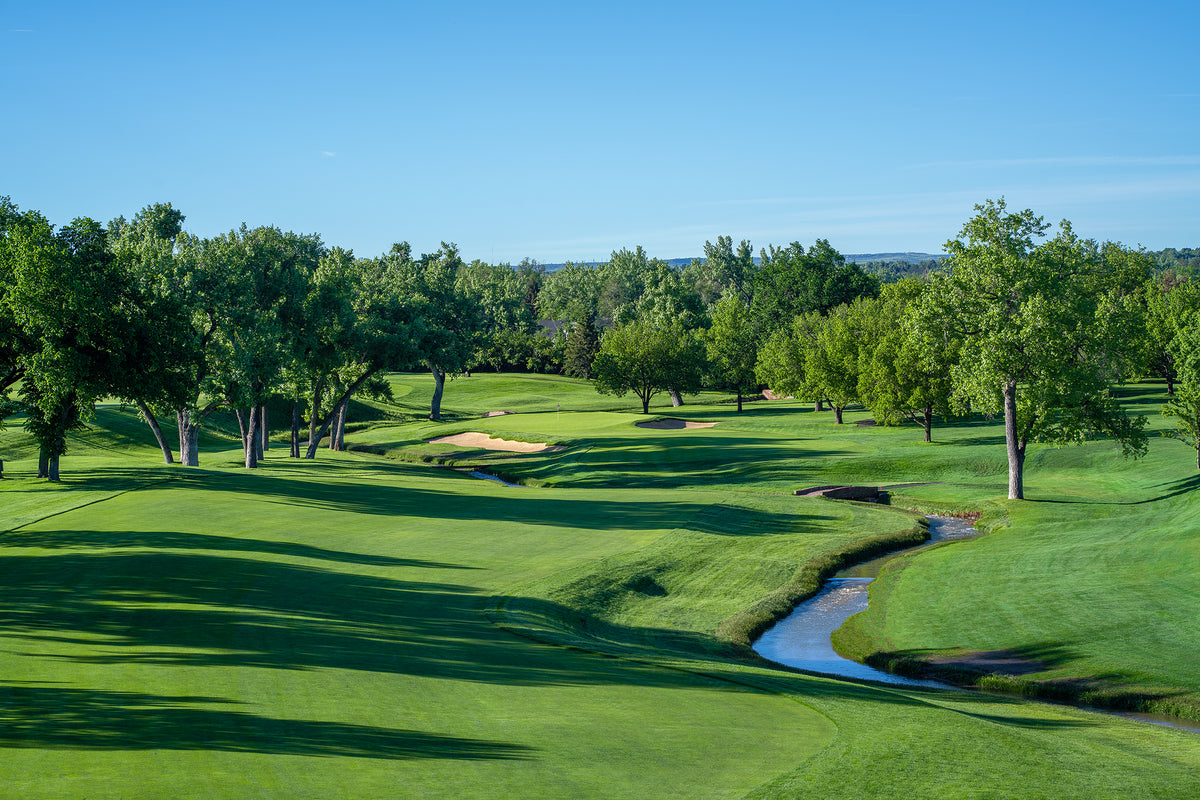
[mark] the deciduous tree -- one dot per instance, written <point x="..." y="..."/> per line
<point x="1047" y="330"/>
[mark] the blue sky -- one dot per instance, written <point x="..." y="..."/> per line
<point x="564" y="131"/>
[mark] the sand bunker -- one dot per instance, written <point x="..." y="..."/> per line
<point x="486" y="442"/>
<point x="497" y="413"/>
<point x="673" y="424"/>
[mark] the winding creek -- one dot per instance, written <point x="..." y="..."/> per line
<point x="801" y="639"/>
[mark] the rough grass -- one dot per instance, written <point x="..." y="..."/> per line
<point x="362" y="626"/>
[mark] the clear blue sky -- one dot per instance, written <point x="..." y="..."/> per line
<point x="566" y="130"/>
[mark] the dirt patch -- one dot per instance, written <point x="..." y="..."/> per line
<point x="770" y="395"/>
<point x="673" y="424"/>
<point x="486" y="442"/>
<point x="498" y="413"/>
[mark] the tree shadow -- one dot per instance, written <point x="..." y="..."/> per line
<point x="177" y="540"/>
<point x="60" y="718"/>
<point x="1168" y="490"/>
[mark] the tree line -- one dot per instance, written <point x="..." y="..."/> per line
<point x="1039" y="330"/>
<point x="182" y="326"/>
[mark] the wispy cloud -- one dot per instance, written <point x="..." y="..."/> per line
<point x="1069" y="161"/>
<point x="328" y="153"/>
<point x="21" y="30"/>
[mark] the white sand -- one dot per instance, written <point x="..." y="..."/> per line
<point x="486" y="442"/>
<point x="674" y="424"/>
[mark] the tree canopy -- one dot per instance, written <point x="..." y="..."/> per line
<point x="1045" y="329"/>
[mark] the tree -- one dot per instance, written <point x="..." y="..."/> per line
<point x="725" y="271"/>
<point x="832" y="357"/>
<point x="387" y="324"/>
<point x="792" y="281"/>
<point x="732" y="345"/>
<point x="450" y="321"/>
<point x="75" y="309"/>
<point x="583" y="343"/>
<point x="1184" y="407"/>
<point x="16" y="227"/>
<point x="904" y="370"/>
<point x="1046" y="332"/>
<point x="646" y="359"/>
<point x="145" y="250"/>
<point x="1170" y="306"/>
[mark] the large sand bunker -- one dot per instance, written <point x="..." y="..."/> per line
<point x="486" y="442"/>
<point x="673" y="424"/>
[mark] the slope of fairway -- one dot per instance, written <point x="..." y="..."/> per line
<point x="366" y="627"/>
<point x="1090" y="589"/>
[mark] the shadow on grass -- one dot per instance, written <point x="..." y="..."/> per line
<point x="1169" y="490"/>
<point x="175" y="540"/>
<point x="52" y="717"/>
<point x="323" y="490"/>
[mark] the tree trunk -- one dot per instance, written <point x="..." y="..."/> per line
<point x="256" y="435"/>
<point x="739" y="393"/>
<point x="1016" y="448"/>
<point x="819" y="406"/>
<point x="264" y="427"/>
<point x="315" y="438"/>
<point x="295" y="428"/>
<point x="337" y="428"/>
<point x="251" y="436"/>
<point x="439" y="383"/>
<point x="1170" y="385"/>
<point x="52" y="468"/>
<point x="340" y="431"/>
<point x="241" y="427"/>
<point x="928" y="423"/>
<point x="152" y="421"/>
<point x="676" y="400"/>
<point x="837" y="415"/>
<point x="646" y="404"/>
<point x="43" y="461"/>
<point x="189" y="439"/>
<point x="315" y="413"/>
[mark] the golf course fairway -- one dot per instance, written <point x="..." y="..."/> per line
<point x="375" y="623"/>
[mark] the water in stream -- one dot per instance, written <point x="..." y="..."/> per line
<point x="801" y="639"/>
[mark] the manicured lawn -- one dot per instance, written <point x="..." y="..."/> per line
<point x="370" y="626"/>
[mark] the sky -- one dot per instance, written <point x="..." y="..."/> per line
<point x="564" y="131"/>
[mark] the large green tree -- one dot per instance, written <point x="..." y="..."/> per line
<point x="1184" y="407"/>
<point x="732" y="345"/>
<point x="79" y="315"/>
<point x="450" y="320"/>
<point x="904" y="369"/>
<point x="1047" y="330"/>
<point x="647" y="358"/>
<point x="145" y="249"/>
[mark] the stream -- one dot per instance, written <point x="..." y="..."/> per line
<point x="801" y="639"/>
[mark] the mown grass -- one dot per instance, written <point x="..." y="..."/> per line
<point x="363" y="626"/>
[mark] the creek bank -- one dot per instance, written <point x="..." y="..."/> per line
<point x="802" y="638"/>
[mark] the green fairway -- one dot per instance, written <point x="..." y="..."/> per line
<point x="372" y="624"/>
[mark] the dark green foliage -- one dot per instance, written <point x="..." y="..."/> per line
<point x="583" y="342"/>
